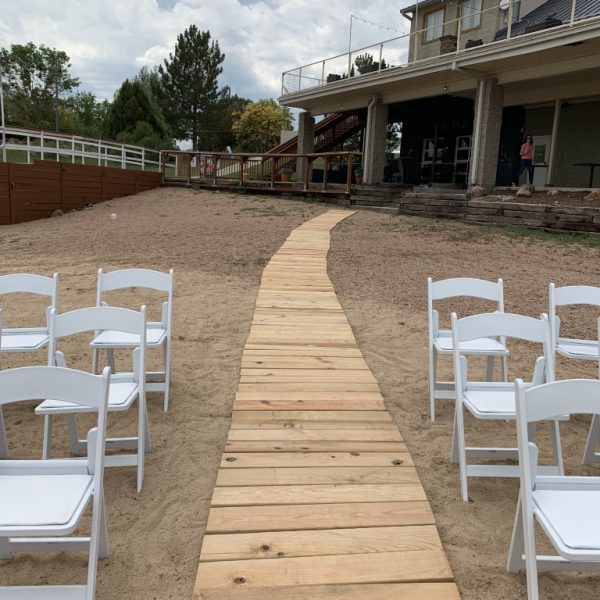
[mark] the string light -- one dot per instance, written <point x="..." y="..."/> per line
<point x="382" y="27"/>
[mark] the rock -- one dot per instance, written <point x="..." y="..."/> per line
<point x="477" y="191"/>
<point x="523" y="192"/>
<point x="553" y="192"/>
<point x="593" y="196"/>
<point x="88" y="205"/>
<point x="57" y="213"/>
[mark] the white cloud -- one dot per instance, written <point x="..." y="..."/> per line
<point x="110" y="40"/>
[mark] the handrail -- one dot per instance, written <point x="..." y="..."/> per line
<point x="396" y="52"/>
<point x="260" y="171"/>
<point x="79" y="149"/>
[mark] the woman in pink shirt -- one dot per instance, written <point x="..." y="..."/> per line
<point x="526" y="154"/>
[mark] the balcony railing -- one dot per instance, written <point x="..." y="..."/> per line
<point x="406" y="49"/>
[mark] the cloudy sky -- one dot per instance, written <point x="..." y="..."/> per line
<point x="109" y="40"/>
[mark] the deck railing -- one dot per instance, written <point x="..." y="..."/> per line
<point x="27" y="145"/>
<point x="325" y="172"/>
<point x="406" y="49"/>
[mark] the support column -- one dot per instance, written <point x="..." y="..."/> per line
<point x="375" y="142"/>
<point x="306" y="142"/>
<point x="553" y="142"/>
<point x="489" y="102"/>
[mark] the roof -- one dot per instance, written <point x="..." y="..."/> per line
<point x="551" y="14"/>
<point x="423" y="4"/>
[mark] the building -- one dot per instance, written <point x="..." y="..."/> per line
<point x="466" y="84"/>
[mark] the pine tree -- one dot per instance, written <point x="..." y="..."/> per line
<point x="189" y="78"/>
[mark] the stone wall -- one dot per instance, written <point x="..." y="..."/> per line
<point x="493" y="211"/>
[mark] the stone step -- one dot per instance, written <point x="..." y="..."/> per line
<point x="436" y="195"/>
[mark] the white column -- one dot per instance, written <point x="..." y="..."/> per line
<point x="375" y="142"/>
<point x="553" y="140"/>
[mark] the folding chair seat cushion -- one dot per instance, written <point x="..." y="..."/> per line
<point x="583" y="349"/>
<point x="484" y="346"/>
<point x="121" y="394"/>
<point x="570" y="516"/>
<point x="43" y="500"/>
<point x="155" y="336"/>
<point x="490" y="403"/>
<point x="19" y="340"/>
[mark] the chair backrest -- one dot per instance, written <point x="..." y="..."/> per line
<point x="29" y="283"/>
<point x="98" y="318"/>
<point x="570" y="295"/>
<point x="502" y="325"/>
<point x="461" y="286"/>
<point x="69" y="385"/>
<point x="543" y="403"/>
<point x="142" y="278"/>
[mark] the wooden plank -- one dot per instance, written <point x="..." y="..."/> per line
<point x="316" y="494"/>
<point x="313" y="446"/>
<point x="384" y="567"/>
<point x="306" y="435"/>
<point x="319" y="403"/>
<point x="378" y="591"/>
<point x="236" y="460"/>
<point x="238" y="519"/>
<point x="302" y="362"/>
<point x="363" y="416"/>
<point x="278" y="544"/>
<point x="271" y="476"/>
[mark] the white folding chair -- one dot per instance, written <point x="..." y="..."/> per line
<point x="440" y="340"/>
<point x="572" y="295"/>
<point x="43" y="501"/>
<point x="158" y="334"/>
<point x="590" y="456"/>
<point x="125" y="387"/>
<point x="495" y="400"/>
<point x="566" y="507"/>
<point x="28" y="339"/>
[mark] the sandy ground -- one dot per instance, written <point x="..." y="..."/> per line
<point x="218" y="245"/>
<point x="379" y="265"/>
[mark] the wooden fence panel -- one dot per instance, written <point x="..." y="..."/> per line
<point x="35" y="190"/>
<point x="81" y="185"/>
<point x="29" y="192"/>
<point x="4" y="195"/>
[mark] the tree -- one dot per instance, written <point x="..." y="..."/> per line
<point x="189" y="78"/>
<point x="37" y="78"/>
<point x="258" y="127"/>
<point x="86" y="113"/>
<point x="132" y="118"/>
<point x="216" y="124"/>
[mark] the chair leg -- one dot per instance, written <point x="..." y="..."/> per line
<point x="3" y="442"/>
<point x="76" y="445"/>
<point x="167" y="357"/>
<point x="459" y="441"/>
<point x="5" y="553"/>
<point x="141" y="437"/>
<point x="489" y="372"/>
<point x="589" y="454"/>
<point x="504" y="360"/>
<point x="110" y="359"/>
<point x="515" y="562"/>
<point x="103" y="547"/>
<point x="432" y="376"/>
<point x="557" y="448"/>
<point x="95" y="361"/>
<point x="47" y="444"/>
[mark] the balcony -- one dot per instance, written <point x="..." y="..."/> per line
<point x="556" y="22"/>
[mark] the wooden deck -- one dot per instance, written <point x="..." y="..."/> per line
<point x="317" y="497"/>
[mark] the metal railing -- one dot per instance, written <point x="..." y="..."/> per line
<point x="325" y="172"/>
<point x="403" y="50"/>
<point x="26" y="145"/>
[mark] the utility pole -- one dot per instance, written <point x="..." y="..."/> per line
<point x="56" y="104"/>
<point x="2" y="110"/>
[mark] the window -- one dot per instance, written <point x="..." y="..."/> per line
<point x="470" y="16"/>
<point x="434" y="25"/>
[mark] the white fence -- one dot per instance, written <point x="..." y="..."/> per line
<point x="26" y="145"/>
<point x="404" y="49"/>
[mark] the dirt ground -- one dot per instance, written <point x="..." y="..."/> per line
<point x="379" y="265"/>
<point x="218" y="245"/>
<point x="563" y="198"/>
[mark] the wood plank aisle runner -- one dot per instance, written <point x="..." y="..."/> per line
<point x="317" y="497"/>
